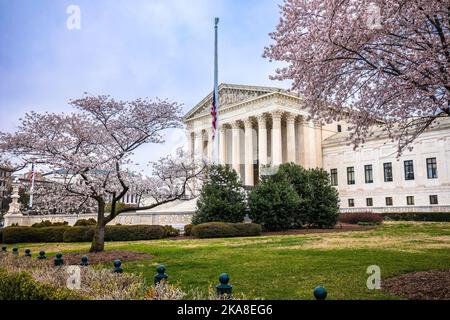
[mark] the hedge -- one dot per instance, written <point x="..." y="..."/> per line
<point x="188" y="229"/>
<point x="418" y="216"/>
<point x="85" y="222"/>
<point x="31" y="234"/>
<point x="365" y="217"/>
<point x="225" y="229"/>
<point x="21" y="286"/>
<point x="48" y="223"/>
<point x="116" y="233"/>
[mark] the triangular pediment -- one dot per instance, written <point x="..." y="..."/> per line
<point x="229" y="94"/>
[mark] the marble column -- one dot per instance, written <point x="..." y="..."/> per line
<point x="276" y="139"/>
<point x="236" y="145"/>
<point x="190" y="143"/>
<point x="262" y="140"/>
<point x="318" y="135"/>
<point x="249" y="178"/>
<point x="222" y="145"/>
<point x="210" y="145"/>
<point x="303" y="142"/>
<point x="290" y="136"/>
<point x="198" y="144"/>
<point x="312" y="145"/>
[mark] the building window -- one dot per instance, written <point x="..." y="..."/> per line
<point x="339" y="128"/>
<point x="410" y="200"/>
<point x="389" y="201"/>
<point x="431" y="168"/>
<point x="333" y="177"/>
<point x="369" y="202"/>
<point x="409" y="170"/>
<point x="368" y="173"/>
<point x="388" y="172"/>
<point x="351" y="202"/>
<point x="350" y="175"/>
<point x="434" y="199"/>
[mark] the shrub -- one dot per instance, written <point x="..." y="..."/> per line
<point x="361" y="217"/>
<point x="85" y="222"/>
<point x="21" y="286"/>
<point x="187" y="229"/>
<point x="274" y="203"/>
<point x="248" y="229"/>
<point x="225" y="229"/>
<point x="320" y="201"/>
<point x="171" y="231"/>
<point x="29" y="234"/>
<point x="222" y="197"/>
<point x="133" y="233"/>
<point x="79" y="234"/>
<point x="48" y="223"/>
<point x="98" y="284"/>
<point x="418" y="216"/>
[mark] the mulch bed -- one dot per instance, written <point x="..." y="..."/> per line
<point x="73" y="258"/>
<point x="426" y="285"/>
<point x="340" y="227"/>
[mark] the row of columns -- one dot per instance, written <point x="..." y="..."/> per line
<point x="308" y="142"/>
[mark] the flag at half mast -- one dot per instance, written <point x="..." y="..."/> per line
<point x="215" y="100"/>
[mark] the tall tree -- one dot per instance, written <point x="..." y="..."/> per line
<point x="368" y="60"/>
<point x="93" y="149"/>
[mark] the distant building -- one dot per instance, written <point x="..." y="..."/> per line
<point x="260" y="126"/>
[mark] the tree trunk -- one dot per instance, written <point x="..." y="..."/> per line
<point x="98" y="242"/>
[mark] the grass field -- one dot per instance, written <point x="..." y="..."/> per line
<point x="289" y="267"/>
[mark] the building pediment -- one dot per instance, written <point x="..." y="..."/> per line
<point x="229" y="94"/>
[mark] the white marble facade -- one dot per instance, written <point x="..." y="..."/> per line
<point x="261" y="126"/>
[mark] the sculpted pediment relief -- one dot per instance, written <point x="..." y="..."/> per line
<point x="228" y="95"/>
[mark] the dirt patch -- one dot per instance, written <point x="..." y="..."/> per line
<point x="340" y="227"/>
<point x="74" y="258"/>
<point x="426" y="285"/>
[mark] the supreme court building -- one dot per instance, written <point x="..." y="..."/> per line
<point x="266" y="126"/>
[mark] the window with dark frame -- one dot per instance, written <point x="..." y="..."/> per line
<point x="369" y="202"/>
<point x="350" y="175"/>
<point x="368" y="173"/>
<point x="433" y="199"/>
<point x="389" y="201"/>
<point x="409" y="170"/>
<point x="387" y="167"/>
<point x="410" y="200"/>
<point x="432" y="168"/>
<point x="333" y="177"/>
<point x="351" y="202"/>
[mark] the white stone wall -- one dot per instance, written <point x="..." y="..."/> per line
<point x="431" y="144"/>
<point x="175" y="219"/>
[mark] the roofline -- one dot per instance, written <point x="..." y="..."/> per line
<point x="231" y="85"/>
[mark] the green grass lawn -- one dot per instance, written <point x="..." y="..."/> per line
<point x="289" y="267"/>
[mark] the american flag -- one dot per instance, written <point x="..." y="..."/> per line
<point x="214" y="115"/>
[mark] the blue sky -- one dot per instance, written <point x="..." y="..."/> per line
<point x="128" y="49"/>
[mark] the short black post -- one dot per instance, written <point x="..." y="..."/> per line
<point x="224" y="287"/>
<point x="58" y="260"/>
<point x="15" y="251"/>
<point x="161" y="273"/>
<point x="27" y="253"/>
<point x="117" y="268"/>
<point x="320" y="293"/>
<point x="84" y="261"/>
<point x="4" y="249"/>
<point x="42" y="255"/>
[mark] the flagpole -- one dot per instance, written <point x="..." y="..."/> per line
<point x="216" y="94"/>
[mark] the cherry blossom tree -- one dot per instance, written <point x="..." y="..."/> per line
<point x="93" y="149"/>
<point x="366" y="61"/>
